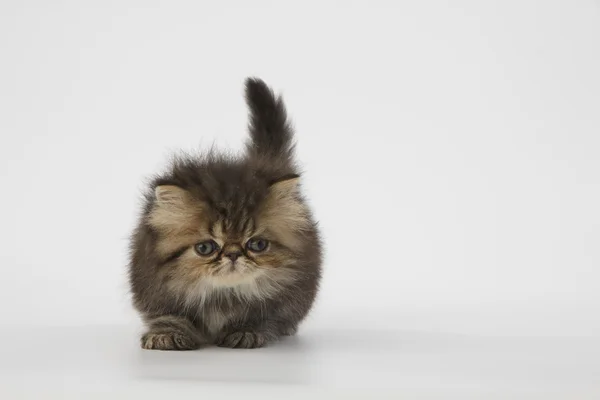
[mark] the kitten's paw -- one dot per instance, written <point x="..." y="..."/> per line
<point x="243" y="340"/>
<point x="289" y="331"/>
<point x="167" y="341"/>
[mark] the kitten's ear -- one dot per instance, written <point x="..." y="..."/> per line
<point x="271" y="133"/>
<point x="174" y="208"/>
<point x="284" y="213"/>
<point x="170" y="195"/>
<point x="285" y="187"/>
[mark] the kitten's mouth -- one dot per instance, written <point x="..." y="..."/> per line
<point x="233" y="267"/>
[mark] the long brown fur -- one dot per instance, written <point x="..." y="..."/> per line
<point x="234" y="297"/>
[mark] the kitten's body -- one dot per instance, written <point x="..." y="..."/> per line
<point x="234" y="297"/>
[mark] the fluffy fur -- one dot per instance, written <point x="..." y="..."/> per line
<point x="234" y="297"/>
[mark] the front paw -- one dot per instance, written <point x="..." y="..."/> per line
<point x="167" y="341"/>
<point x="243" y="340"/>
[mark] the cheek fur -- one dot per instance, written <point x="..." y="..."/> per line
<point x="273" y="258"/>
<point x="190" y="267"/>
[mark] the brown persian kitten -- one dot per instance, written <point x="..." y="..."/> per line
<point x="226" y="251"/>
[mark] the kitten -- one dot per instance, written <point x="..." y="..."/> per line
<point x="226" y="251"/>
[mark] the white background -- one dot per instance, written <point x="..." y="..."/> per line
<point x="451" y="150"/>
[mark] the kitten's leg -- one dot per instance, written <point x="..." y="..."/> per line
<point x="170" y="332"/>
<point x="254" y="336"/>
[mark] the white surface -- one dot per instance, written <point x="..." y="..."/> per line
<point x="452" y="157"/>
<point x="72" y="361"/>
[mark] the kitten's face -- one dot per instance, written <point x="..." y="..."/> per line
<point x="228" y="255"/>
<point x="196" y="242"/>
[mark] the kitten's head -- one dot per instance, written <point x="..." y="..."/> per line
<point x="230" y="232"/>
<point x="230" y="220"/>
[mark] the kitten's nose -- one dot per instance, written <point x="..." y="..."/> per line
<point x="233" y="255"/>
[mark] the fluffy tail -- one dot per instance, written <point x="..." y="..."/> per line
<point x="271" y="134"/>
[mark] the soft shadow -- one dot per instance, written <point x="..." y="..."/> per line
<point x="287" y="362"/>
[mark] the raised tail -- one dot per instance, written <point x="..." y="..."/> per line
<point x="271" y="134"/>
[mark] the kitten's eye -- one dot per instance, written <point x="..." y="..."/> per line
<point x="257" y="245"/>
<point x="206" y="248"/>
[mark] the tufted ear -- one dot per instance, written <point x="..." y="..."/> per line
<point x="285" y="188"/>
<point x="284" y="212"/>
<point x="174" y="208"/>
<point x="170" y="196"/>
